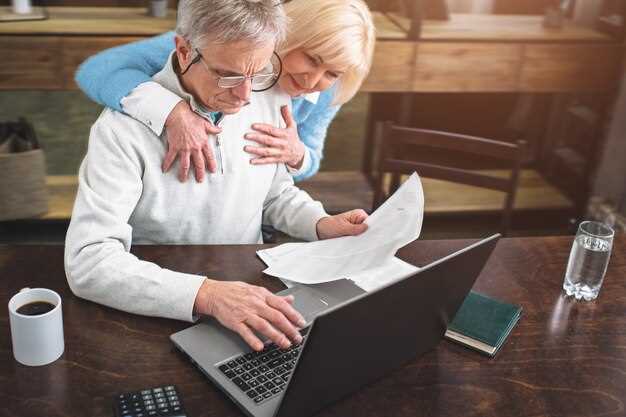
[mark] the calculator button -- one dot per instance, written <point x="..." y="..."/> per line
<point x="140" y="415"/>
<point x="267" y="394"/>
<point x="162" y="406"/>
<point x="152" y="413"/>
<point x="169" y="388"/>
<point x="150" y="407"/>
<point x="258" y="399"/>
<point x="164" y="411"/>
<point x="176" y="408"/>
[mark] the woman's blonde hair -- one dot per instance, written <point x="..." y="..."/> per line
<point x="340" y="31"/>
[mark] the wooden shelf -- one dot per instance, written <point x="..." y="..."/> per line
<point x="134" y="21"/>
<point x="468" y="53"/>
<point x="500" y="28"/>
<point x="345" y="190"/>
<point x="89" y="21"/>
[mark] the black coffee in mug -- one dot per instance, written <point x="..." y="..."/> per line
<point x="36" y="308"/>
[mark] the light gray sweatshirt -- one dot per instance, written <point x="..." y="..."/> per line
<point x="123" y="198"/>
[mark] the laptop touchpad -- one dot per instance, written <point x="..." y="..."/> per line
<point x="308" y="303"/>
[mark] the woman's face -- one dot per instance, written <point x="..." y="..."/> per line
<point x="305" y="72"/>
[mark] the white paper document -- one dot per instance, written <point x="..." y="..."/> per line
<point x="392" y="270"/>
<point x="393" y="225"/>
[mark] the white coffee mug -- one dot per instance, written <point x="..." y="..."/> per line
<point x="38" y="339"/>
<point x="22" y="7"/>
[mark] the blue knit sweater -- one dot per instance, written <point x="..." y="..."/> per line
<point x="111" y="75"/>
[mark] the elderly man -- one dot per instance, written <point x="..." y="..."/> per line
<point x="224" y="50"/>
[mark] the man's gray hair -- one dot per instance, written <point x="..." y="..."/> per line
<point x="223" y="21"/>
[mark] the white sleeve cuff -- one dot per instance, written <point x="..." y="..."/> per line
<point x="179" y="293"/>
<point x="306" y="164"/>
<point x="151" y="104"/>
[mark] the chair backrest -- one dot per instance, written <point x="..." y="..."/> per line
<point x="393" y="142"/>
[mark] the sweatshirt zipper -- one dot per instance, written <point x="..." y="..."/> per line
<point x="218" y="146"/>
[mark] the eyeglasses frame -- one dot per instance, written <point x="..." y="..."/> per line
<point x="243" y="78"/>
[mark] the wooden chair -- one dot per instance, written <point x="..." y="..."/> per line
<point x="394" y="143"/>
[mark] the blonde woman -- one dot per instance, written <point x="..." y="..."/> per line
<point x="326" y="56"/>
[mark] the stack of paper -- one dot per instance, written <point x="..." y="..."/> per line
<point x="368" y="259"/>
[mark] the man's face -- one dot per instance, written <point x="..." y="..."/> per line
<point x="225" y="60"/>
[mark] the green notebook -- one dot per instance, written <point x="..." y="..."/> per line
<point x="483" y="323"/>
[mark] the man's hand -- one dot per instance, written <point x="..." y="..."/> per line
<point x="349" y="223"/>
<point x="243" y="308"/>
<point x="187" y="138"/>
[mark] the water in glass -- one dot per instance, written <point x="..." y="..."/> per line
<point x="587" y="265"/>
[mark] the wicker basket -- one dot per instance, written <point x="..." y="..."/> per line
<point x="23" y="191"/>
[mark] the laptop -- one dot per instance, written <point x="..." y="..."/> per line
<point x="353" y="338"/>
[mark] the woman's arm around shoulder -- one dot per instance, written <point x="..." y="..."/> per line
<point x="112" y="74"/>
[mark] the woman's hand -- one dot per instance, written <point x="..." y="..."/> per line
<point x="246" y="309"/>
<point x="187" y="135"/>
<point x="281" y="145"/>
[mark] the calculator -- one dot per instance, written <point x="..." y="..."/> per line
<point x="159" y="401"/>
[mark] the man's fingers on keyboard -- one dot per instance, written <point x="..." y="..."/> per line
<point x="265" y="328"/>
<point x="249" y="337"/>
<point x="287" y="309"/>
<point x="277" y="319"/>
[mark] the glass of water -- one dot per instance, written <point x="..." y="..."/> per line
<point x="588" y="260"/>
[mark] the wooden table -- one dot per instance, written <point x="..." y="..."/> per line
<point x="564" y="358"/>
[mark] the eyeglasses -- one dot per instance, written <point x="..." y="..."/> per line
<point x="262" y="81"/>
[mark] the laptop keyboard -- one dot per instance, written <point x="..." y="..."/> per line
<point x="264" y="374"/>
